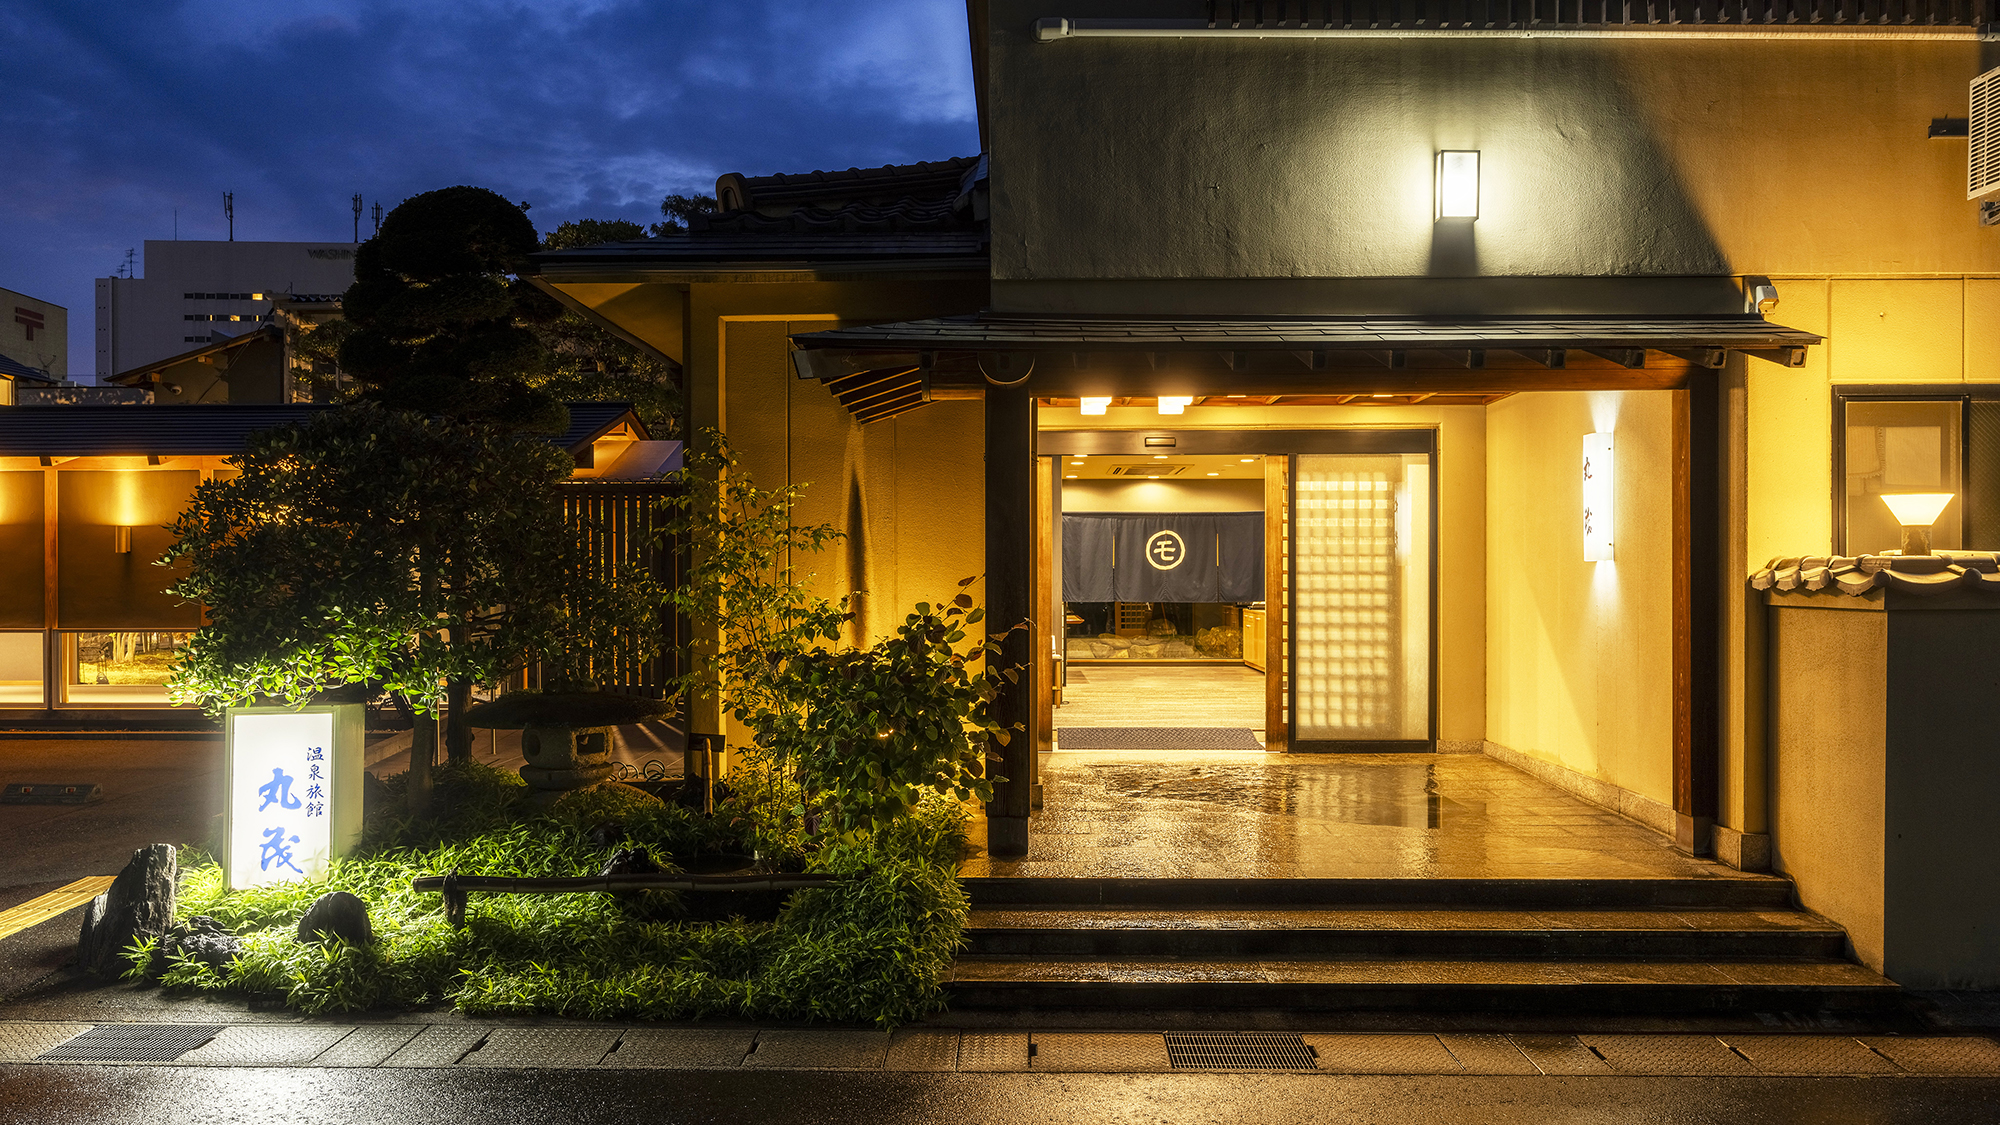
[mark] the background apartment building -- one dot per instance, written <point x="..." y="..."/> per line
<point x="34" y="336"/>
<point x="197" y="293"/>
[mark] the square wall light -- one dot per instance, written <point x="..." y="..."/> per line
<point x="1457" y="193"/>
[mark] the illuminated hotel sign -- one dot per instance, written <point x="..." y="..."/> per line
<point x="1597" y="492"/>
<point x="293" y="797"/>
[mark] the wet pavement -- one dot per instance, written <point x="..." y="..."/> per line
<point x="52" y="1095"/>
<point x="1249" y="815"/>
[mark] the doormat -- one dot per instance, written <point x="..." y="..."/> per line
<point x="1157" y="738"/>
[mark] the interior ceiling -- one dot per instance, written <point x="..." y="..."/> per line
<point x="1167" y="466"/>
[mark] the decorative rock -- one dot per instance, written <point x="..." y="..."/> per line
<point x="200" y="938"/>
<point x="606" y="834"/>
<point x="630" y="861"/>
<point x="337" y="915"/>
<point x="140" y="904"/>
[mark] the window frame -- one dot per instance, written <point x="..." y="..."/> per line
<point x="1965" y="394"/>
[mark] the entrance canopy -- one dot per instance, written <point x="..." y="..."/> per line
<point x="881" y="370"/>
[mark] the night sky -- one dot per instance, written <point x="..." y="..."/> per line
<point x="116" y="113"/>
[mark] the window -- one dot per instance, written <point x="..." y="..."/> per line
<point x="1916" y="439"/>
<point x="119" y="669"/>
<point x="21" y="669"/>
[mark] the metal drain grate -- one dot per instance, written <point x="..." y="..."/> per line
<point x="1238" y="1051"/>
<point x="133" y="1042"/>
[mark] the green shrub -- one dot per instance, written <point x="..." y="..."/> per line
<point x="874" y="948"/>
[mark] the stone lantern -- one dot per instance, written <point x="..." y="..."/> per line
<point x="566" y="737"/>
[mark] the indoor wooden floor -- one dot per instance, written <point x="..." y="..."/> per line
<point x="1157" y="695"/>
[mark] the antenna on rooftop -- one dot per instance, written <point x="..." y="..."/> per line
<point x="125" y="270"/>
<point x="378" y="216"/>
<point x="357" y="217"/>
<point x="229" y="212"/>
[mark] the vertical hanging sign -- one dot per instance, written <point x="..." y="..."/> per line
<point x="1597" y="493"/>
<point x="293" y="791"/>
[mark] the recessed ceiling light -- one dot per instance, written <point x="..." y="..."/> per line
<point x="1152" y="478"/>
<point x="1069" y="476"/>
<point x="1076" y="461"/>
<point x="1215" y="474"/>
<point x="1246" y="460"/>
<point x="1382" y="396"/>
<point x="1159" y="456"/>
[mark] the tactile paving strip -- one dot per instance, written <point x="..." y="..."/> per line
<point x="676" y="1049"/>
<point x="820" y="1050"/>
<point x="1104" y="1053"/>
<point x="1668" y="1054"/>
<point x="922" y="1048"/>
<point x="368" y="1045"/>
<point x="1963" y="1055"/>
<point x="1560" y="1054"/>
<point x="133" y="1042"/>
<point x="527" y="1047"/>
<point x="1810" y="1054"/>
<point x="21" y="1042"/>
<point x="1488" y="1054"/>
<point x="988" y="1051"/>
<point x="1236" y="1050"/>
<point x="1387" y="1054"/>
<point x="438" y="1045"/>
<point x="265" y="1045"/>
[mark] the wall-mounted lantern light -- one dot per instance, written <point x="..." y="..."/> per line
<point x="1457" y="185"/>
<point x="1917" y="511"/>
<point x="1597" y="495"/>
<point x="1175" y="404"/>
<point x="121" y="540"/>
<point x="1094" y="404"/>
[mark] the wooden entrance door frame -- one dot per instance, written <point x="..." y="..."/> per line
<point x="1277" y="447"/>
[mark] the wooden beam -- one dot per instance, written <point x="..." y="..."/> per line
<point x="1633" y="358"/>
<point x="1010" y="582"/>
<point x="1697" y="614"/>
<point x="1276" y="734"/>
<point x="1700" y="357"/>
<point x="1783" y="357"/>
<point x="1552" y="358"/>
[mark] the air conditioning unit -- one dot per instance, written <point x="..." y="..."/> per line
<point x="1154" y="470"/>
<point x="1982" y="161"/>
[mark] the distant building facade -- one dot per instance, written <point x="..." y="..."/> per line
<point x="34" y="336"/>
<point x="198" y="293"/>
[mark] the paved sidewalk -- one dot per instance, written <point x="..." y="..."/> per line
<point x="438" y="1045"/>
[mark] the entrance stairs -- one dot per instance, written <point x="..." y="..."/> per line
<point x="1645" y="945"/>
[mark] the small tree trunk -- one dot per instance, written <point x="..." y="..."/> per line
<point x="423" y="755"/>
<point x="457" y="736"/>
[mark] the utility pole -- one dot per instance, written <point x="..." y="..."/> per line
<point x="229" y="212"/>
<point x="378" y="216"/>
<point x="357" y="218"/>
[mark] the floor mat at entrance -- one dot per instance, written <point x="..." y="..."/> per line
<point x="1156" y="738"/>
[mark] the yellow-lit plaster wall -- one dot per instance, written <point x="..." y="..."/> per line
<point x="1106" y="495"/>
<point x="1579" y="656"/>
<point x="1462" y="519"/>
<point x="97" y="588"/>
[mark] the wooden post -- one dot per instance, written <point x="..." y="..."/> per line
<point x="1276" y="734"/>
<point x="1698" y="571"/>
<point x="1010" y="592"/>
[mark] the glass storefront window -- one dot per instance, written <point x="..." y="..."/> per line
<point x="21" y="657"/>
<point x="1900" y="447"/>
<point x="119" y="669"/>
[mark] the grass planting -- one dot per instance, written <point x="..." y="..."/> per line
<point x="871" y="948"/>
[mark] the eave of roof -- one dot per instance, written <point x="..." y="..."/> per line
<point x="269" y="332"/>
<point x="994" y="332"/>
<point x="208" y="431"/>
<point x="1860" y="575"/>
<point x="788" y="251"/>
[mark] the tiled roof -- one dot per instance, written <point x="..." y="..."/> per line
<point x="927" y="178"/>
<point x="182" y="431"/>
<point x="16" y="369"/>
<point x="905" y="214"/>
<point x="1941" y="573"/>
<point x="990" y="331"/>
<point x="922" y="213"/>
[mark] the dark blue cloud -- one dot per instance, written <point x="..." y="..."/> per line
<point x="119" y="112"/>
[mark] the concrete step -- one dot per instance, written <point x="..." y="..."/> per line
<point x="1433" y="934"/>
<point x="1725" y="890"/>
<point x="1630" y="986"/>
